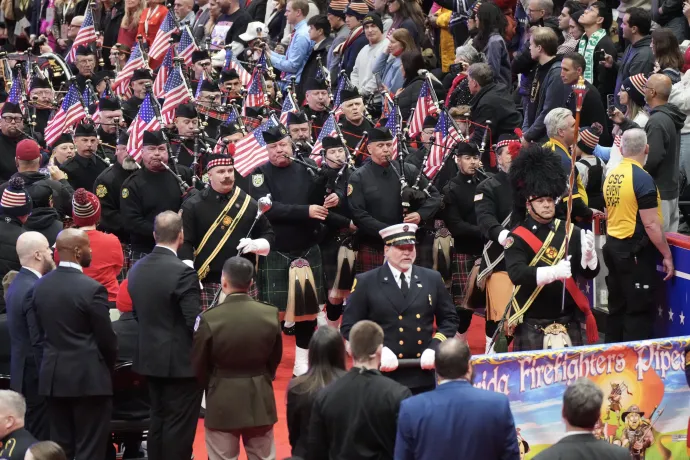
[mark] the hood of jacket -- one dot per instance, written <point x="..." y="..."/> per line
<point x="42" y="218"/>
<point x="673" y="112"/>
<point x="644" y="42"/>
<point x="31" y="177"/>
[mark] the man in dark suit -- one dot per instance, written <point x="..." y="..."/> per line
<point x="79" y="350"/>
<point x="404" y="299"/>
<point x="236" y="351"/>
<point x="356" y="416"/>
<point x="455" y="406"/>
<point x="36" y="258"/>
<point x="581" y="411"/>
<point x="166" y="301"/>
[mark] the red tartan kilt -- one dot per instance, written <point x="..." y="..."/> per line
<point x="368" y="258"/>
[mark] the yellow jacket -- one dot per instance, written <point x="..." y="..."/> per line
<point x="447" y="45"/>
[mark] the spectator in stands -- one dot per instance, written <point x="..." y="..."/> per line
<point x="638" y="56"/>
<point x="45" y="450"/>
<point x="575" y="28"/>
<point x="320" y="35"/>
<point x="407" y="15"/>
<point x="183" y="12"/>
<point x="388" y="65"/>
<point x="569" y="42"/>
<point x="276" y="21"/>
<point x="444" y="43"/>
<point x="491" y="102"/>
<point x="489" y="40"/>
<point x="582" y="402"/>
<point x="669" y="14"/>
<point x="362" y="76"/>
<point x="595" y="44"/>
<point x="15" y="440"/>
<point x="340" y="30"/>
<point x="326" y="364"/>
<point x="680" y="96"/>
<point x="428" y="423"/>
<point x="300" y="45"/>
<point x="459" y="92"/>
<point x="412" y="62"/>
<point x="151" y="19"/>
<point x="359" y="411"/>
<point x="669" y="59"/>
<point x="231" y="23"/>
<point x="548" y="90"/>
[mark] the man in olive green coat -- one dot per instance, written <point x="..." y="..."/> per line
<point x="236" y="351"/>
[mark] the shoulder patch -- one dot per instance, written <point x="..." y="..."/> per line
<point x="353" y="286"/>
<point x="349" y="189"/>
<point x="257" y="180"/>
<point x="196" y="323"/>
<point x="509" y="242"/>
<point x="101" y="191"/>
<point x="125" y="192"/>
<point x="478" y="196"/>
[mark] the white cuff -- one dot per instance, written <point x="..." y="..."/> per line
<point x="502" y="237"/>
<point x="544" y="276"/>
<point x="189" y="263"/>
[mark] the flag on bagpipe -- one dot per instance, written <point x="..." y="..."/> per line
<point x="70" y="113"/>
<point x="336" y="103"/>
<point x="121" y="83"/>
<point x="328" y="130"/>
<point x="232" y="63"/>
<point x="446" y="137"/>
<point x="255" y="94"/>
<point x="161" y="41"/>
<point x="425" y="106"/>
<point x="87" y="96"/>
<point x="175" y="93"/>
<point x="16" y="90"/>
<point x="289" y="106"/>
<point x="250" y="151"/>
<point x="392" y="125"/>
<point x="163" y="74"/>
<point x="232" y="118"/>
<point x="85" y="36"/>
<point x="186" y="46"/>
<point x="145" y="121"/>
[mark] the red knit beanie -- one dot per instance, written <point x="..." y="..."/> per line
<point x="123" y="301"/>
<point x="86" y="209"/>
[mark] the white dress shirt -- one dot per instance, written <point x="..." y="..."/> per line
<point x="169" y="249"/>
<point x="397" y="273"/>
<point x="71" y="265"/>
<point x="33" y="271"/>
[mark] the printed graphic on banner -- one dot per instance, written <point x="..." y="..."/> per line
<point x="646" y="396"/>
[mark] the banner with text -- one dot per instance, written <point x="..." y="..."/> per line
<point x="646" y="396"/>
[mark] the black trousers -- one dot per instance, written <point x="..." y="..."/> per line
<point x="81" y="426"/>
<point x="632" y="283"/>
<point x="175" y="406"/>
<point x="36" y="418"/>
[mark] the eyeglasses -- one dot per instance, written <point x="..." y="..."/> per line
<point x="13" y="119"/>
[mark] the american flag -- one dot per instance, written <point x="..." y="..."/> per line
<point x="336" y="103"/>
<point x="232" y="118"/>
<point x="186" y="46"/>
<point x="160" y="43"/>
<point x="71" y="112"/>
<point x="175" y="94"/>
<point x="392" y="125"/>
<point x="85" y="36"/>
<point x="255" y="94"/>
<point x="446" y="138"/>
<point x="145" y="121"/>
<point x="163" y="74"/>
<point x="232" y="63"/>
<point x="289" y="106"/>
<point x="328" y="130"/>
<point x="15" y="96"/>
<point x="250" y="151"/>
<point x="425" y="106"/>
<point x="135" y="61"/>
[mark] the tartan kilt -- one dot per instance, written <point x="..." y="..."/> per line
<point x="127" y="253"/>
<point x="273" y="276"/>
<point x="329" y="259"/>
<point x="136" y="256"/>
<point x="368" y="258"/>
<point x="461" y="267"/>
<point x="208" y="292"/>
<point x="529" y="335"/>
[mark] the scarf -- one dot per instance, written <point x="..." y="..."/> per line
<point x="354" y="35"/>
<point x="586" y="48"/>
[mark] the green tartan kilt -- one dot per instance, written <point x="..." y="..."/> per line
<point x="273" y="275"/>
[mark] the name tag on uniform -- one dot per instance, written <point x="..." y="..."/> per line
<point x="478" y="196"/>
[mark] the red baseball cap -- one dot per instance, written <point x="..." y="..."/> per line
<point x="28" y="150"/>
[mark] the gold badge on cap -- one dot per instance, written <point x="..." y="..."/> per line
<point x="125" y="193"/>
<point x="101" y="191"/>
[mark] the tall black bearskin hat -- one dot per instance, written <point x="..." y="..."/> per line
<point x="535" y="173"/>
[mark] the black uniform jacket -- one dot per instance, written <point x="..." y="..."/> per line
<point x="79" y="345"/>
<point x="407" y="322"/>
<point x="459" y="214"/>
<point x="493" y="202"/>
<point x="165" y="302"/>
<point x="14" y="445"/>
<point x="356" y="417"/>
<point x="200" y="212"/>
<point x="107" y="188"/>
<point x="82" y="172"/>
<point x="8" y="147"/>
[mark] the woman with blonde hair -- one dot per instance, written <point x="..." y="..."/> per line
<point x="64" y="12"/>
<point x="130" y="23"/>
<point x="388" y="64"/>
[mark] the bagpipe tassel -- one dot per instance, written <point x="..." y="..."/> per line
<point x="302" y="302"/>
<point x="443" y="244"/>
<point x="345" y="274"/>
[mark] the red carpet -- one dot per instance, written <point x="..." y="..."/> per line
<point x="475" y="337"/>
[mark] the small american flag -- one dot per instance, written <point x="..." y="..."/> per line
<point x="15" y="96"/>
<point x="160" y="43"/>
<point x="145" y="121"/>
<point x="446" y="138"/>
<point x="163" y="74"/>
<point x="85" y="36"/>
<point x="121" y="83"/>
<point x="232" y="63"/>
<point x="175" y="94"/>
<point x="328" y="130"/>
<point x="392" y="125"/>
<point x="289" y="106"/>
<point x="186" y="46"/>
<point x="336" y="103"/>
<point x="250" y="151"/>
<point x="425" y="106"/>
<point x="255" y="94"/>
<point x="71" y="112"/>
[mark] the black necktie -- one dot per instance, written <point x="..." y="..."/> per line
<point x="403" y="285"/>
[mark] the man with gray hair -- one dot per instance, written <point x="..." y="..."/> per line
<point x="493" y="102"/>
<point x="581" y="411"/>
<point x="634" y="239"/>
<point x="16" y="439"/>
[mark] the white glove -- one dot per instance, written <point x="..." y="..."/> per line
<point x="259" y="246"/>
<point x="560" y="271"/>
<point x="589" y="254"/>
<point x="502" y="237"/>
<point x="389" y="362"/>
<point x="189" y="263"/>
<point x="428" y="360"/>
